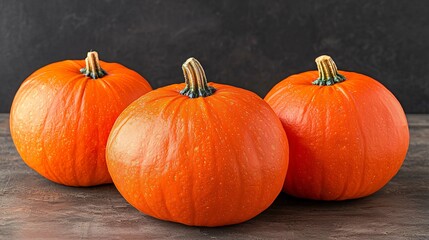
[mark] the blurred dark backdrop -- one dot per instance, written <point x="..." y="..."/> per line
<point x="250" y="44"/>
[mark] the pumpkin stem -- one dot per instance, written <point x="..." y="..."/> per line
<point x="93" y="68"/>
<point x="195" y="79"/>
<point x="328" y="72"/>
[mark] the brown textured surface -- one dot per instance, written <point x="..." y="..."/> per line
<point x="32" y="207"/>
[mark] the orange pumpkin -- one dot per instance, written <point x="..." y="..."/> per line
<point x="60" y="118"/>
<point x="348" y="134"/>
<point x="197" y="153"/>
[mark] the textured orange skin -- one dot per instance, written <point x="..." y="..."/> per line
<point x="207" y="161"/>
<point x="346" y="141"/>
<point x="60" y="120"/>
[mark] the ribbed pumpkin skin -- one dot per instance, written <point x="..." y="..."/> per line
<point x="346" y="140"/>
<point x="207" y="161"/>
<point x="60" y="120"/>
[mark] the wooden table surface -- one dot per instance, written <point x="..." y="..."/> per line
<point x="32" y="207"/>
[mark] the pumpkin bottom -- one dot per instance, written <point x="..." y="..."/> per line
<point x="205" y="224"/>
<point x="200" y="216"/>
<point x="195" y="199"/>
<point x="337" y="184"/>
<point x="73" y="177"/>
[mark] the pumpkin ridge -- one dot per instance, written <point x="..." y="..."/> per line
<point x="75" y="64"/>
<point x="177" y="109"/>
<point x="77" y="125"/>
<point x="111" y="89"/>
<point x="37" y="74"/>
<point x="308" y="106"/>
<point x="383" y="100"/>
<point x="235" y="159"/>
<point x="286" y="142"/>
<point x="352" y="102"/>
<point x="138" y="171"/>
<point x="172" y="103"/>
<point x="246" y="102"/>
<point x="101" y="144"/>
<point x="380" y="99"/>
<point x="75" y="86"/>
<point x="214" y="118"/>
<point x="326" y="122"/>
<point x="220" y="133"/>
<point x="119" y="123"/>
<point x="128" y="75"/>
<point x="188" y="131"/>
<point x="259" y="168"/>
<point x="33" y="77"/>
<point x="343" y="93"/>
<point x="314" y="92"/>
<point x="139" y="186"/>
<point x="49" y="111"/>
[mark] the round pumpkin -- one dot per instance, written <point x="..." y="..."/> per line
<point x="348" y="134"/>
<point x="198" y="153"/>
<point x="62" y="114"/>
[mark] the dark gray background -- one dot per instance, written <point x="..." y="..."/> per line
<point x="250" y="44"/>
